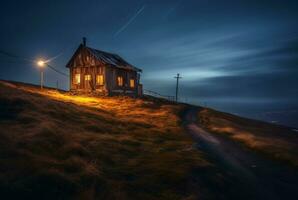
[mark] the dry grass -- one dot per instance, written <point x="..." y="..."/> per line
<point x="54" y="145"/>
<point x="272" y="140"/>
<point x="133" y="110"/>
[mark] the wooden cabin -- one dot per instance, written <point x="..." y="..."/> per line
<point x="98" y="72"/>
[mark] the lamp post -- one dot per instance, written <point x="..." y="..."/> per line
<point x="41" y="64"/>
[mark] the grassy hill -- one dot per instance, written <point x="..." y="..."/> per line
<point x="273" y="141"/>
<point x="54" y="145"/>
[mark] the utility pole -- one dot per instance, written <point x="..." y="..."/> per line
<point x="41" y="64"/>
<point x="57" y="85"/>
<point x="177" y="85"/>
<point x="41" y="78"/>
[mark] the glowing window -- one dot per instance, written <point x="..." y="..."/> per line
<point x="99" y="79"/>
<point x="132" y="83"/>
<point x="77" y="78"/>
<point x="120" y="81"/>
<point x="87" y="77"/>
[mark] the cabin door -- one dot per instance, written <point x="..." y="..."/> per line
<point x="87" y="81"/>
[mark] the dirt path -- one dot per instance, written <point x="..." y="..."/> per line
<point x="246" y="174"/>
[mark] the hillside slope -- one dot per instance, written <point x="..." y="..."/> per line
<point x="58" y="146"/>
<point x="54" y="145"/>
<point x="273" y="141"/>
<point x="251" y="172"/>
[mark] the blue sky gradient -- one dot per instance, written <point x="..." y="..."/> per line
<point x="237" y="56"/>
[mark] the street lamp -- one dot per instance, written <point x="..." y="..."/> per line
<point x="41" y="64"/>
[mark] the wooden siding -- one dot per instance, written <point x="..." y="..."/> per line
<point x="85" y="64"/>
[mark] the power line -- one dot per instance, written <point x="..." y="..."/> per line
<point x="13" y="56"/>
<point x="56" y="70"/>
<point x="31" y="61"/>
<point x="61" y="53"/>
<point x="6" y="53"/>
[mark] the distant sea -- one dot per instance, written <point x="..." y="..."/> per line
<point x="276" y="113"/>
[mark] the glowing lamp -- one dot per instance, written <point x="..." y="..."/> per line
<point x="41" y="63"/>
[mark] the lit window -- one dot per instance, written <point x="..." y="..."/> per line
<point x="87" y="77"/>
<point x="99" y="79"/>
<point x="132" y="83"/>
<point x="77" y="79"/>
<point x="120" y="81"/>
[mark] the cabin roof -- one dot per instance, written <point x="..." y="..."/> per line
<point x="107" y="58"/>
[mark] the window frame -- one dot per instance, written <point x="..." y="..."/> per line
<point x="77" y="79"/>
<point x="132" y="80"/>
<point x="120" y="82"/>
<point x="102" y="79"/>
<point x="87" y="77"/>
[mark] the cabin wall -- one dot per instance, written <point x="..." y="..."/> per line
<point x="85" y="64"/>
<point x="88" y="85"/>
<point x="112" y="73"/>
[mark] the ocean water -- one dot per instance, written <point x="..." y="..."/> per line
<point x="284" y="113"/>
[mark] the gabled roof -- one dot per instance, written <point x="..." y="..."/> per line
<point x="107" y="58"/>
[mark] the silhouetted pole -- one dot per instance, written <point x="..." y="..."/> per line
<point x="177" y="85"/>
<point x="41" y="79"/>
<point x="57" y="85"/>
<point x="41" y="64"/>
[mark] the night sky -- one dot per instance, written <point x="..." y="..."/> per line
<point x="236" y="56"/>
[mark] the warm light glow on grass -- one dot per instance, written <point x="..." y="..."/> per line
<point x="95" y="137"/>
<point x="124" y="108"/>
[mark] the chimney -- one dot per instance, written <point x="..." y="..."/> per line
<point x="84" y="41"/>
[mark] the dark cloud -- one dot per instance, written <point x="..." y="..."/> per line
<point x="269" y="86"/>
